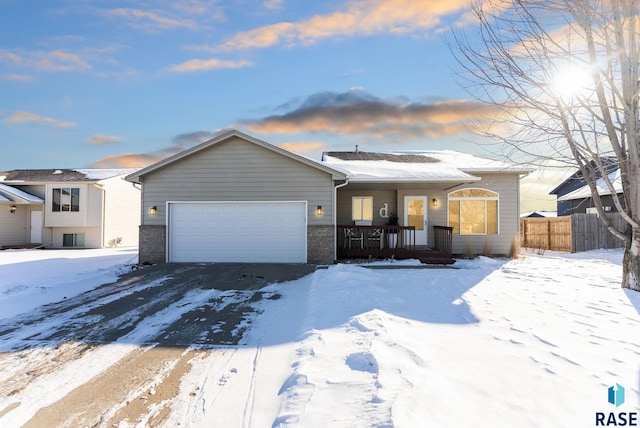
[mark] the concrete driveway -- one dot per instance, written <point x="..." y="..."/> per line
<point x="158" y="317"/>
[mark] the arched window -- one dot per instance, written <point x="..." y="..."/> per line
<point x="473" y="212"/>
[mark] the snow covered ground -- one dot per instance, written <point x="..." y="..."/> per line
<point x="30" y="278"/>
<point x="532" y="342"/>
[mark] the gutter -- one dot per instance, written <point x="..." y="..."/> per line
<point x="335" y="217"/>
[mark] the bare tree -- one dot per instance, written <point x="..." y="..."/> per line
<point x="564" y="76"/>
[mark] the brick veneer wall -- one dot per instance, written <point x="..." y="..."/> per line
<point x="152" y="244"/>
<point x="320" y="244"/>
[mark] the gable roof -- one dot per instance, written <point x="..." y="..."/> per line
<point x="135" y="177"/>
<point x="11" y="194"/>
<point x="603" y="190"/>
<point x="60" y="175"/>
<point x="576" y="179"/>
<point x="407" y="166"/>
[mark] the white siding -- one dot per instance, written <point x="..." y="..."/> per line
<point x="13" y="227"/>
<point x="121" y="212"/>
<point x="237" y="170"/>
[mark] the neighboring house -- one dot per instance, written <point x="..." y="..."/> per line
<point x="83" y="208"/>
<point x="572" y="197"/>
<point x="236" y="198"/>
<point x="581" y="201"/>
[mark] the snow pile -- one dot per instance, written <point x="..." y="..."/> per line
<point x="30" y="278"/>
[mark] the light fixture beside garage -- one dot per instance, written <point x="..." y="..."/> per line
<point x="13" y="209"/>
<point x="319" y="210"/>
<point x="153" y="211"/>
<point x="434" y="202"/>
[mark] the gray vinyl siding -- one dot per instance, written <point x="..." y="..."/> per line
<point x="237" y="170"/>
<point x="508" y="188"/>
<point x="506" y="185"/>
<point x="380" y="197"/>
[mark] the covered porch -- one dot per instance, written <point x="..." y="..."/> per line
<point x="387" y="241"/>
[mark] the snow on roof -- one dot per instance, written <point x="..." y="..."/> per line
<point x="16" y="195"/>
<point x="585" y="192"/>
<point x="442" y="165"/>
<point x="63" y="175"/>
<point x="102" y="174"/>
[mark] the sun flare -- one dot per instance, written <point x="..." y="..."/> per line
<point x="571" y="81"/>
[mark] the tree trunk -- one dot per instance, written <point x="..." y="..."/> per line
<point x="631" y="262"/>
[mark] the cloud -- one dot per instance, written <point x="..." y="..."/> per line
<point x="358" y="112"/>
<point x="149" y="20"/>
<point x="273" y="4"/>
<point x="127" y="160"/>
<point x="19" y="117"/>
<point x="139" y="160"/>
<point x="208" y="64"/>
<point x="50" y="61"/>
<point x="302" y="146"/>
<point x="360" y="18"/>
<point x="101" y="139"/>
<point x="16" y="77"/>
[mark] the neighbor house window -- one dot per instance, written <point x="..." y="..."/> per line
<point x="473" y="212"/>
<point x="73" y="240"/>
<point x="66" y="199"/>
<point x="362" y="208"/>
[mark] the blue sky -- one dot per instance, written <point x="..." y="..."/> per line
<point x="126" y="83"/>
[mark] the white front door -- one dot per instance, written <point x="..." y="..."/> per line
<point x="415" y="214"/>
<point x="36" y="227"/>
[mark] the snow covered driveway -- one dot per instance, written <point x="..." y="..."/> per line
<point x="533" y="342"/>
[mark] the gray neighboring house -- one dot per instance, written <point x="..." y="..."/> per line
<point x="68" y="208"/>
<point x="236" y="198"/>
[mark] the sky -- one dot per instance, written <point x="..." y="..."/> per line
<point x="107" y="84"/>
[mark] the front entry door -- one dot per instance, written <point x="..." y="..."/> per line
<point x="36" y="227"/>
<point x="415" y="214"/>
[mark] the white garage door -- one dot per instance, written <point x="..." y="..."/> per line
<point x="258" y="232"/>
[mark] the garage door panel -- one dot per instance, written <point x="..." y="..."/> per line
<point x="237" y="232"/>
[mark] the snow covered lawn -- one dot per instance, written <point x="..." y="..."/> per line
<point x="532" y="342"/>
<point x="30" y="278"/>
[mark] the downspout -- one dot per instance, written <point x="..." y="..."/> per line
<point x="103" y="222"/>
<point x="335" y="217"/>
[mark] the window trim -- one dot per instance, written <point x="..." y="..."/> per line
<point x="484" y="199"/>
<point x="71" y="205"/>
<point x="74" y="240"/>
<point x="362" y="216"/>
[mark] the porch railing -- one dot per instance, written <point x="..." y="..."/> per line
<point x="391" y="241"/>
<point x="443" y="237"/>
<point x="376" y="241"/>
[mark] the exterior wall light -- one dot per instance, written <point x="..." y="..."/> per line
<point x="153" y="211"/>
<point x="319" y="210"/>
<point x="434" y="202"/>
<point x="13" y="209"/>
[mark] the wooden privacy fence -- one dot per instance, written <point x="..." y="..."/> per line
<point x="574" y="233"/>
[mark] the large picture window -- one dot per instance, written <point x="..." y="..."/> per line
<point x="473" y="212"/>
<point x="362" y="208"/>
<point x="66" y="199"/>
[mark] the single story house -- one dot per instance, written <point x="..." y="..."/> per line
<point x="236" y="198"/>
<point x="68" y="208"/>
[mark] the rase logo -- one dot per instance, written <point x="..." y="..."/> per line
<point x="615" y="396"/>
